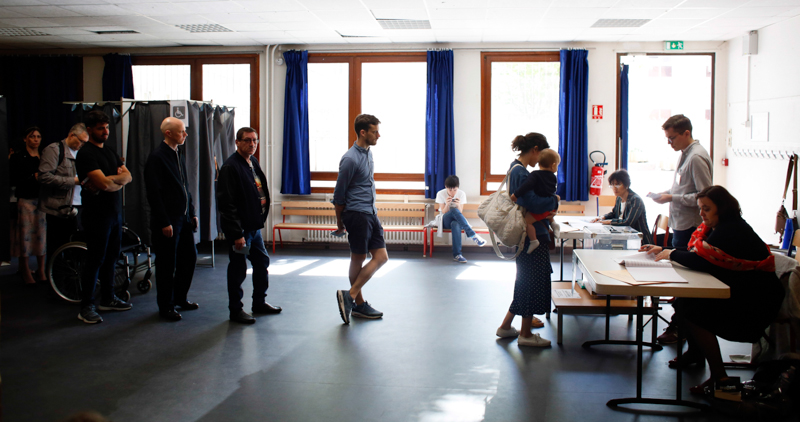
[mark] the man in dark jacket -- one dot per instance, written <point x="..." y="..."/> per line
<point x="172" y="220"/>
<point x="243" y="204"/>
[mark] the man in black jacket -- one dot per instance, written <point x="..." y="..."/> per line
<point x="172" y="220"/>
<point x="243" y="204"/>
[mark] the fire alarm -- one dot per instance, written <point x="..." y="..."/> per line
<point x="725" y="162"/>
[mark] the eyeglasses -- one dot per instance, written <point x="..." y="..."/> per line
<point x="671" y="139"/>
<point x="617" y="185"/>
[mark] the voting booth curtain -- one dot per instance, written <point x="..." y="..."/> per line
<point x="296" y="169"/>
<point x="573" y="144"/>
<point x="440" y="156"/>
<point x="117" y="77"/>
<point x="623" y="117"/>
<point x="114" y="141"/>
<point x="209" y="134"/>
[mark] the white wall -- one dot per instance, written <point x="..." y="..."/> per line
<point x="467" y="107"/>
<point x="774" y="88"/>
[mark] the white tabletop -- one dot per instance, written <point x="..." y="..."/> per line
<point x="700" y="285"/>
<point x="588" y="230"/>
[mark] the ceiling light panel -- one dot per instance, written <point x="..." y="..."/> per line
<point x="21" y="32"/>
<point x="208" y="27"/>
<point x="619" y="23"/>
<point x="404" y="24"/>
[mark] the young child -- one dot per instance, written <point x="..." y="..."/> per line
<point x="543" y="182"/>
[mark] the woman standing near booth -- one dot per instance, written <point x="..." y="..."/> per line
<point x="29" y="237"/>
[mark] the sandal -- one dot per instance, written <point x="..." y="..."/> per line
<point x="537" y="323"/>
<point x="688" y="359"/>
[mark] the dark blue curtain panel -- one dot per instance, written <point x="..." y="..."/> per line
<point x="117" y="77"/>
<point x="623" y="117"/>
<point x="296" y="170"/>
<point x="573" y="144"/>
<point x="440" y="151"/>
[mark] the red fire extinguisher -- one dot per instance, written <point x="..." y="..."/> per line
<point x="596" y="185"/>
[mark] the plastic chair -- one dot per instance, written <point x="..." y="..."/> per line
<point x="605" y="201"/>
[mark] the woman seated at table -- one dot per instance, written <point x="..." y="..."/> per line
<point x="629" y="208"/>
<point x="725" y="246"/>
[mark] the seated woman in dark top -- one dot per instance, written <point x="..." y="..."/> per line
<point x="725" y="246"/>
<point x="629" y="208"/>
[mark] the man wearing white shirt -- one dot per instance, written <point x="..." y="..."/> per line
<point x="451" y="202"/>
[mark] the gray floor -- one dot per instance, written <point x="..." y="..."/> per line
<point x="434" y="357"/>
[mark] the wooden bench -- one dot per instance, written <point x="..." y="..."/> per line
<point x="320" y="208"/>
<point x="470" y="211"/>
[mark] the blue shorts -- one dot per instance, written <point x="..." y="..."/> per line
<point x="364" y="232"/>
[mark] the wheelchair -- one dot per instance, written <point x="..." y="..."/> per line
<point x="65" y="267"/>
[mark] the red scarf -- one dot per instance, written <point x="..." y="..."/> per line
<point x="719" y="258"/>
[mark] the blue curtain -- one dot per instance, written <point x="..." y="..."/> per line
<point x="117" y="77"/>
<point x="573" y="144"/>
<point x="440" y="152"/>
<point x="296" y="173"/>
<point x="623" y="118"/>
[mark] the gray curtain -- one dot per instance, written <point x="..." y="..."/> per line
<point x="5" y="191"/>
<point x="224" y="138"/>
<point x="200" y="146"/>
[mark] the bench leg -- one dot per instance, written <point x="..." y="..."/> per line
<point x="431" y="240"/>
<point x="273" y="240"/>
<point x="560" y="327"/>
<point x="424" y="243"/>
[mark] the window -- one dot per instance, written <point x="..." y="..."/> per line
<point x="228" y="80"/>
<point x="390" y="86"/>
<point x="520" y="95"/>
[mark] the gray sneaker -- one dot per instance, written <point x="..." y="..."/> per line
<point x="365" y="310"/>
<point x="116" y="304"/>
<point x="346" y="304"/>
<point x="89" y="316"/>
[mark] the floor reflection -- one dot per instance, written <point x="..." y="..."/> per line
<point x="475" y="390"/>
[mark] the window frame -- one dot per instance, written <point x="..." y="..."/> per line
<point x="487" y="58"/>
<point x="196" y="71"/>
<point x="355" y="60"/>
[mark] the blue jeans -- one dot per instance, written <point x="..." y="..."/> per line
<point x="456" y="222"/>
<point x="237" y="271"/>
<point x="680" y="238"/>
<point x="103" y="233"/>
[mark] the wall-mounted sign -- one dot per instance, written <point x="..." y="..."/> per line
<point x="673" y="45"/>
<point x="179" y="110"/>
<point x="597" y="112"/>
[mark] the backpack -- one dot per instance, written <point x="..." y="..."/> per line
<point x="505" y="219"/>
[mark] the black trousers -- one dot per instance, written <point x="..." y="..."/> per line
<point x="176" y="257"/>
<point x="103" y="233"/>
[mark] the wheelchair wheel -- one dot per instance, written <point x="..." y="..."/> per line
<point x="64" y="271"/>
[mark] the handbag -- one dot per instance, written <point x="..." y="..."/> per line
<point x="505" y="219"/>
<point x="783" y="215"/>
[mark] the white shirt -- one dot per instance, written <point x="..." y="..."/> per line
<point x="621" y="209"/>
<point x="441" y="196"/>
<point x="76" y="196"/>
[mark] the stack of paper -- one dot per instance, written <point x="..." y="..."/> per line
<point x="644" y="268"/>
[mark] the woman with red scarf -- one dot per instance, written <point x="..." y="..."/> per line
<point x="725" y="246"/>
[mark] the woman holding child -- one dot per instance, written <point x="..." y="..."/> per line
<point x="532" y="285"/>
<point x="628" y="209"/>
<point x="725" y="246"/>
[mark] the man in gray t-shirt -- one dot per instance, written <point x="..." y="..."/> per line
<point x="354" y="199"/>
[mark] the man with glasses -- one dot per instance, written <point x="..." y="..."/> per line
<point x="692" y="175"/>
<point x="243" y="203"/>
<point x="60" y="188"/>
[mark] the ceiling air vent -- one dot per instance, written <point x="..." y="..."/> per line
<point x="404" y="24"/>
<point x="117" y="32"/>
<point x="20" y="32"/>
<point x="207" y="27"/>
<point x="619" y="23"/>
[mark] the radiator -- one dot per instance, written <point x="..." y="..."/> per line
<point x="405" y="238"/>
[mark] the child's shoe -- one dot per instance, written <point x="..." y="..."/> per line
<point x="532" y="247"/>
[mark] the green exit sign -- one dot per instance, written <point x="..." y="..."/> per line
<point x="673" y="45"/>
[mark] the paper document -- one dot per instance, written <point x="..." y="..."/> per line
<point x="566" y="228"/>
<point x="626" y="277"/>
<point x="566" y="294"/>
<point x="666" y="275"/>
<point x="643" y="259"/>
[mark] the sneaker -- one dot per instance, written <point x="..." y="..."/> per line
<point x="532" y="247"/>
<point x="346" y="304"/>
<point x="535" y="340"/>
<point x="478" y="240"/>
<point x="460" y="259"/>
<point x="116" y="304"/>
<point x="511" y="332"/>
<point x="89" y="316"/>
<point x="670" y="335"/>
<point x="556" y="229"/>
<point x="365" y="310"/>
